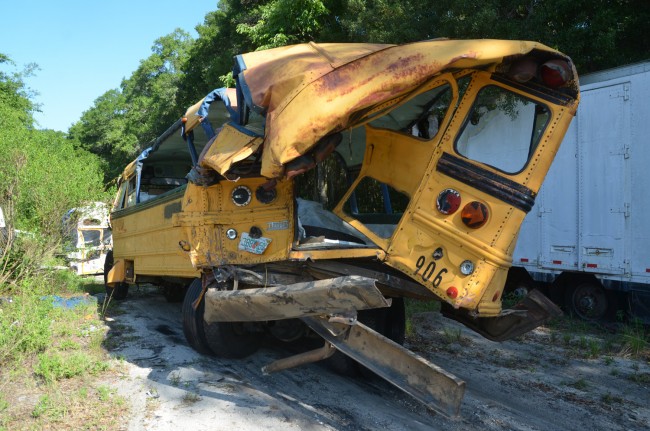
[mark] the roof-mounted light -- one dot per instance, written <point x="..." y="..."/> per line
<point x="555" y="73"/>
<point x="523" y="70"/>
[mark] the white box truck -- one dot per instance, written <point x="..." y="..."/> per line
<point x="588" y="235"/>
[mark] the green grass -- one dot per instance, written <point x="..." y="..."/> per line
<point x="54" y="353"/>
<point x="56" y="366"/>
<point x="636" y="339"/>
<point x="608" y="398"/>
<point x="414" y="306"/>
<point x="580" y="384"/>
<point x="590" y="340"/>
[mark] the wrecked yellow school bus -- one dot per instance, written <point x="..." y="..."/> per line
<point x="336" y="180"/>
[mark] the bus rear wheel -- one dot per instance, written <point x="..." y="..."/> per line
<point x="193" y="319"/>
<point x="233" y="340"/>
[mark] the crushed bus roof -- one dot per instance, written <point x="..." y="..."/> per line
<point x="308" y="91"/>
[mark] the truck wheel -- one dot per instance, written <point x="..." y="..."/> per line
<point x="193" y="319"/>
<point x="120" y="290"/>
<point x="232" y="339"/>
<point x="587" y="300"/>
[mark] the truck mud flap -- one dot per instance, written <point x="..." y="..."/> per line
<point x="331" y="296"/>
<point x="420" y="378"/>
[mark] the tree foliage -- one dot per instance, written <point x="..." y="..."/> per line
<point x="42" y="175"/>
<point x="597" y="34"/>
<point x="285" y="22"/>
<point x="121" y="120"/>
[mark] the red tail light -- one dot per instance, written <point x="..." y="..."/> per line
<point x="448" y="201"/>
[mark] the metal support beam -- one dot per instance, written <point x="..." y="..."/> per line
<point x="420" y="378"/>
<point x="303" y="358"/>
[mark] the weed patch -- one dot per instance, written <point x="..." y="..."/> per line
<point x="45" y="339"/>
<point x="414" y="306"/>
<point x="57" y="366"/>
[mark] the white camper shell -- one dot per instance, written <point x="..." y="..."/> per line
<point x="89" y="237"/>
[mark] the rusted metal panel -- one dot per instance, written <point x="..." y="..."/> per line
<point x="534" y="310"/>
<point x="217" y="227"/>
<point x="307" y="93"/>
<point x="338" y="295"/>
<point x="388" y="284"/>
<point x="413" y="374"/>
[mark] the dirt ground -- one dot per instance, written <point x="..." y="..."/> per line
<point x="542" y="381"/>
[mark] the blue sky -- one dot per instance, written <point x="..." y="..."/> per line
<point x="85" y="47"/>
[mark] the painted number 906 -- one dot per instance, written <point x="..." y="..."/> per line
<point x="427" y="271"/>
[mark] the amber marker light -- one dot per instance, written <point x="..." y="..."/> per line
<point x="448" y="201"/>
<point x="474" y="214"/>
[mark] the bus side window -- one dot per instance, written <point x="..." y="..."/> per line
<point x="132" y="192"/>
<point x="420" y="116"/>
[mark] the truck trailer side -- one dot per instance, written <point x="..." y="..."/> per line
<point x="587" y="236"/>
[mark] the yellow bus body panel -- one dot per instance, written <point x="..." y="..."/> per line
<point x="148" y="238"/>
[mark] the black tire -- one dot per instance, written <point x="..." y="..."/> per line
<point x="121" y="290"/>
<point x="193" y="319"/>
<point x="587" y="301"/>
<point x="232" y="340"/>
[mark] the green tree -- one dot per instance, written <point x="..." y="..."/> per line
<point x="285" y="22"/>
<point x="102" y="130"/>
<point x="210" y="58"/>
<point x="597" y="34"/>
<point x="122" y="121"/>
<point x="150" y="93"/>
<point x="41" y="173"/>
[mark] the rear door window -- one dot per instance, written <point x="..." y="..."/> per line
<point x="502" y="130"/>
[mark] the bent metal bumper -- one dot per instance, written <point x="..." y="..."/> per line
<point x="332" y="296"/>
<point x="329" y="308"/>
